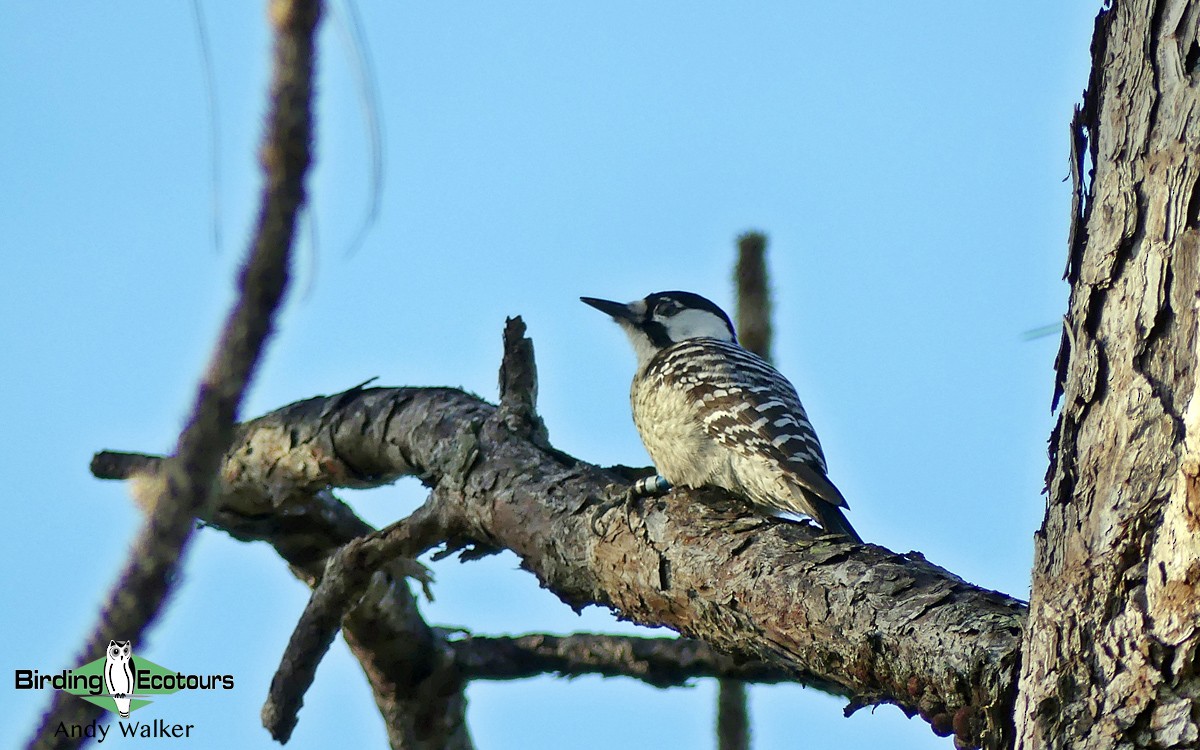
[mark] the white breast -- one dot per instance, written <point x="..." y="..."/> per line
<point x="672" y="430"/>
<point x="671" y="403"/>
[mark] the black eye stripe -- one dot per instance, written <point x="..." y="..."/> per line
<point x="657" y="333"/>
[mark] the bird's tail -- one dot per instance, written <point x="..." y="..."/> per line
<point x="834" y="521"/>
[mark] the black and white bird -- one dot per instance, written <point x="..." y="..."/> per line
<point x="712" y="413"/>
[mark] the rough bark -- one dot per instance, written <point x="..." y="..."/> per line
<point x="661" y="662"/>
<point x="1111" y="644"/>
<point x="414" y="678"/>
<point x="1110" y="647"/>
<point x="869" y="623"/>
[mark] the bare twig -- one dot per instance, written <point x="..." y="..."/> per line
<point x="121" y="465"/>
<point x="733" y="716"/>
<point x="753" y="294"/>
<point x="145" y="581"/>
<point x="348" y="572"/>
<point x="417" y="689"/>
<point x="518" y="384"/>
<point x="660" y="662"/>
<point x="415" y="685"/>
<point x="345" y="579"/>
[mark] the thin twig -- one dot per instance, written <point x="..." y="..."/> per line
<point x="346" y="577"/>
<point x="214" y="119"/>
<point x="146" y="579"/>
<point x="660" y="662"/>
<point x="415" y="685"/>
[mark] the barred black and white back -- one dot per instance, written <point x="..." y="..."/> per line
<point x="713" y="413"/>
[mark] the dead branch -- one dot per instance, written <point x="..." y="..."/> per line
<point x="146" y="578"/>
<point x="882" y="627"/>
<point x="753" y="294"/>
<point x="340" y="589"/>
<point x="409" y="666"/>
<point x="754" y="332"/>
<point x="660" y="662"/>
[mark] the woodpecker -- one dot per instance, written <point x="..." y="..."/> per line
<point x="712" y="413"/>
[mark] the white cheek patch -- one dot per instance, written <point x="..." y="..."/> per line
<point x="690" y="324"/>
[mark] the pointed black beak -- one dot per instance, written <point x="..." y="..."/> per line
<point x="618" y="310"/>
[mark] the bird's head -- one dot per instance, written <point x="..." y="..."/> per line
<point x="666" y="318"/>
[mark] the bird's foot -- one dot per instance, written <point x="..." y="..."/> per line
<point x="626" y="498"/>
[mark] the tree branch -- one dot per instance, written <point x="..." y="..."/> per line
<point x="881" y="626"/>
<point x="518" y="385"/>
<point x="341" y="587"/>
<point x="146" y="579"/>
<point x="414" y="681"/>
<point x="754" y="332"/>
<point x="659" y="662"/>
<point x="753" y="294"/>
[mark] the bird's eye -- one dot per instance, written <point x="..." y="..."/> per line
<point x="668" y="307"/>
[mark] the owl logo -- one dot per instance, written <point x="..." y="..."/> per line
<point x="118" y="674"/>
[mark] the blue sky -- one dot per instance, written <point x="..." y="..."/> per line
<point x="907" y="161"/>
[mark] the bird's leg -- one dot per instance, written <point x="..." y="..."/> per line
<point x="651" y="486"/>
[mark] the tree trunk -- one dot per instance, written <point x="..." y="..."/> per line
<point x="1110" y="649"/>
